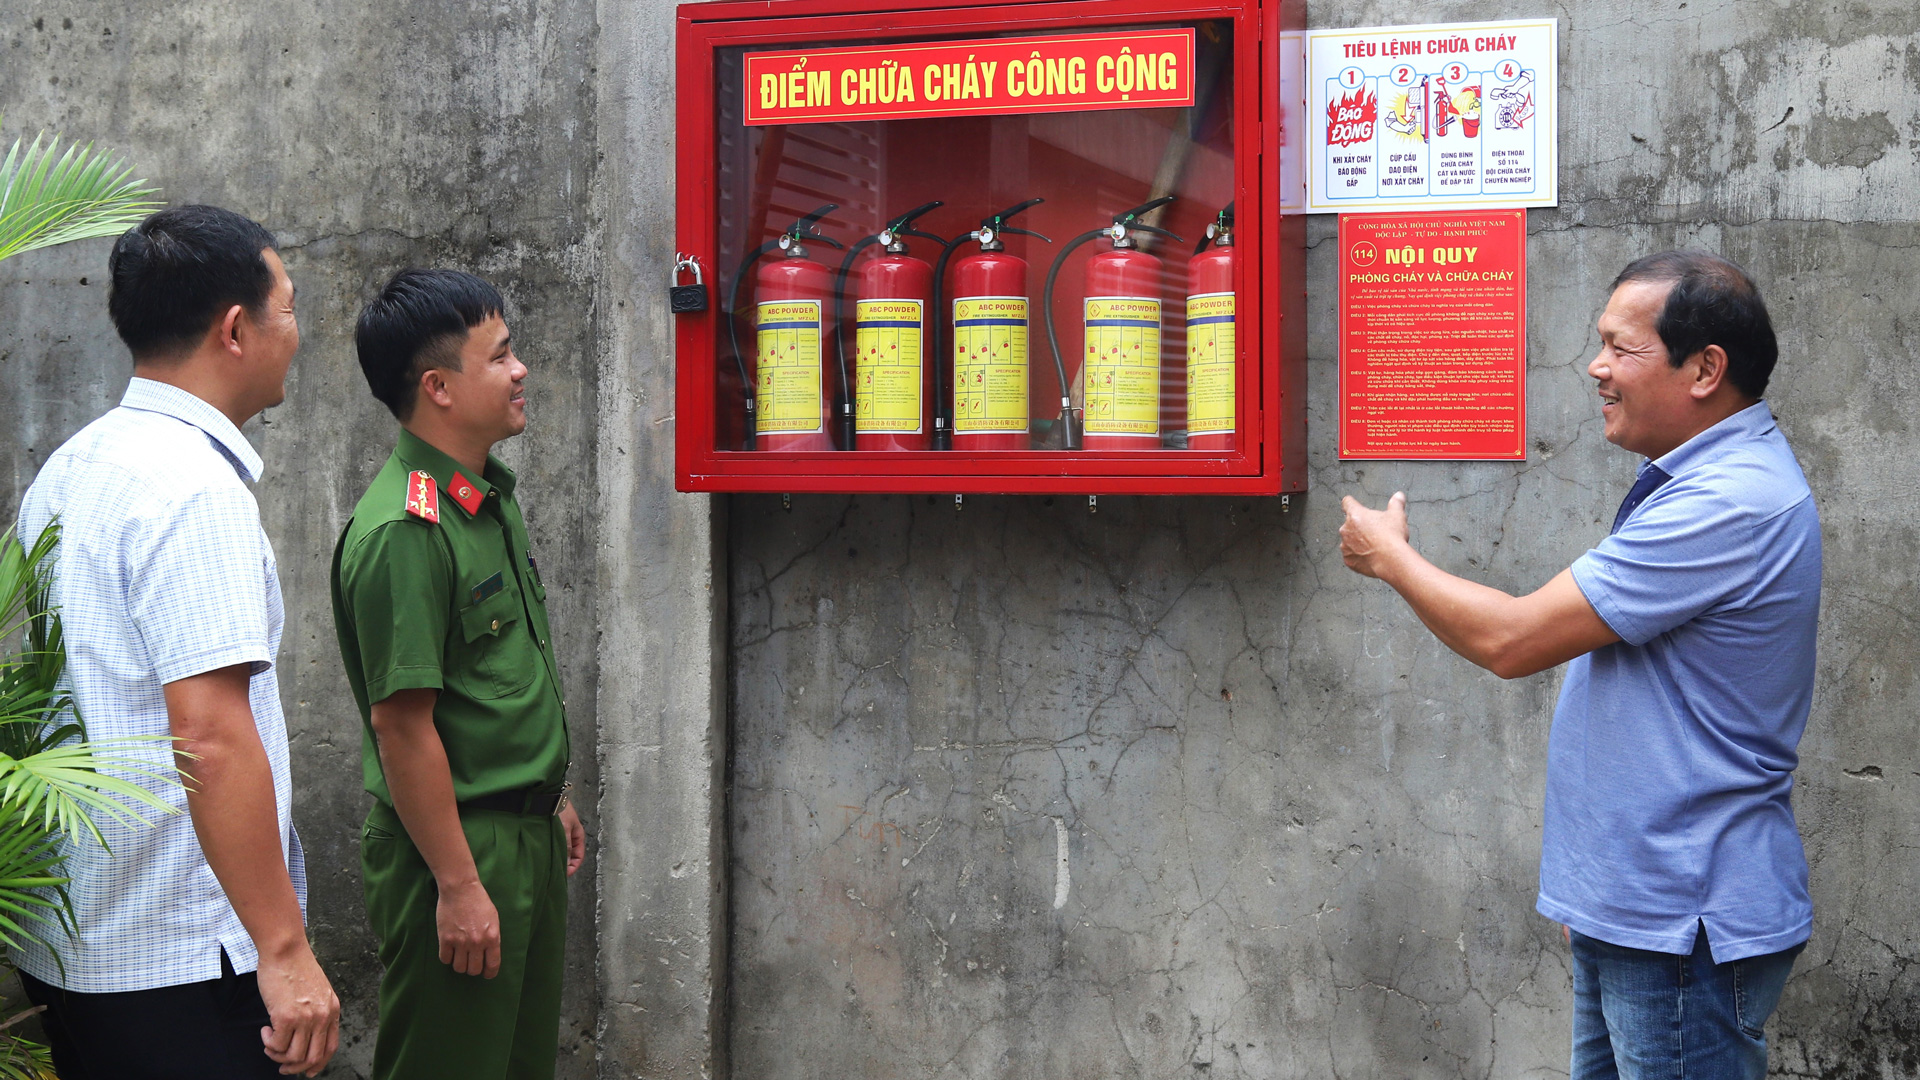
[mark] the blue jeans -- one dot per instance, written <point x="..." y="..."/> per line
<point x="1640" y="1015"/>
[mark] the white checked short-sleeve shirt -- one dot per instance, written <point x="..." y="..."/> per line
<point x="163" y="572"/>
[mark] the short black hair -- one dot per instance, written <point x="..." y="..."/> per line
<point x="176" y="272"/>
<point x="1711" y="302"/>
<point x="409" y="327"/>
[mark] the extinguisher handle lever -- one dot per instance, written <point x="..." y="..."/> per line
<point x="1144" y="208"/>
<point x="993" y="221"/>
<point x="1136" y="226"/>
<point x="805" y="223"/>
<point x="899" y="224"/>
<point x="808" y="232"/>
<point x="1008" y="229"/>
<point x="921" y="235"/>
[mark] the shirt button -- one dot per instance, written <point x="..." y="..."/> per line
<point x="496" y="624"/>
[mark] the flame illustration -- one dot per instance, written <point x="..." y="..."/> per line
<point x="1351" y="116"/>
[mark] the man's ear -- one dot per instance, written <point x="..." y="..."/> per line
<point x="1709" y="371"/>
<point x="228" y="330"/>
<point x="433" y="387"/>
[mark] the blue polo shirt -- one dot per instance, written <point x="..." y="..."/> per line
<point x="1670" y="765"/>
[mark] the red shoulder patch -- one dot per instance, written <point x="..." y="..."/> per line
<point x="466" y="493"/>
<point x="423" y="499"/>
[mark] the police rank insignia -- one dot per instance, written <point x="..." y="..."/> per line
<point x="423" y="498"/>
<point x="466" y="493"/>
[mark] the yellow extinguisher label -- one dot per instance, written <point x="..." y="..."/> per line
<point x="1122" y="369"/>
<point x="1210" y="363"/>
<point x="788" y="367"/>
<point x="989" y="364"/>
<point x="886" y="381"/>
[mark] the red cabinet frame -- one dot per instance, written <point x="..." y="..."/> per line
<point x="1269" y="458"/>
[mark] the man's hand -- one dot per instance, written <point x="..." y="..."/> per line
<point x="305" y="1014"/>
<point x="1370" y="538"/>
<point x="469" y="930"/>
<point x="576" y="838"/>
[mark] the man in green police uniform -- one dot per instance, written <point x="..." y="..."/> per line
<point x="442" y="621"/>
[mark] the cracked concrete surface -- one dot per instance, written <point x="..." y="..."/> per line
<point x="1303" y="836"/>
<point x="367" y="137"/>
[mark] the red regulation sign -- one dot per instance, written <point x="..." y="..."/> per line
<point x="1433" y="335"/>
<point x="1063" y="73"/>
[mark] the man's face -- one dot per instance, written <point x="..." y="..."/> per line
<point x="489" y="389"/>
<point x="275" y="335"/>
<point x="1647" y="402"/>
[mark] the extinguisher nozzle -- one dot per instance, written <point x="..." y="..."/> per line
<point x="942" y="436"/>
<point x="848" y="436"/>
<point x="1073" y="429"/>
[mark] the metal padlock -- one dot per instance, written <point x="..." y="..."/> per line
<point x="687" y="298"/>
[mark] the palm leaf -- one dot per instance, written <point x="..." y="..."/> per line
<point x="49" y="196"/>
<point x="30" y="888"/>
<point x="24" y="1059"/>
<point x="63" y="783"/>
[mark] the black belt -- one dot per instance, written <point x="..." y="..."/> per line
<point x="526" y="801"/>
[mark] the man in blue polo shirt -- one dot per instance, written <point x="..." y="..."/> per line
<point x="1669" y="850"/>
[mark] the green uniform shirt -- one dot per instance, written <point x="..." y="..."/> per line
<point x="456" y="606"/>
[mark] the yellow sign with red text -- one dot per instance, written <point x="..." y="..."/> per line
<point x="1131" y="69"/>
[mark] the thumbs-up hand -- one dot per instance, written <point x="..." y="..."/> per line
<point x="1370" y="537"/>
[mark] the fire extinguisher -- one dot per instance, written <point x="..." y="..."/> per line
<point x="1212" y="356"/>
<point x="787" y="399"/>
<point x="886" y="400"/>
<point x="1120" y="354"/>
<point x="989" y="354"/>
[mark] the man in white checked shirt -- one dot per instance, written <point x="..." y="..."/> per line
<point x="191" y="959"/>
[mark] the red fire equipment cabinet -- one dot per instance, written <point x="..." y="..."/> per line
<point x="954" y="247"/>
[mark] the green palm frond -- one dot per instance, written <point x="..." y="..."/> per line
<point x="24" y="1059"/>
<point x="62" y="783"/>
<point x="49" y="196"/>
<point x="47" y="770"/>
<point x="32" y="891"/>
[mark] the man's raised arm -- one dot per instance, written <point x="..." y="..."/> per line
<point x="1511" y="636"/>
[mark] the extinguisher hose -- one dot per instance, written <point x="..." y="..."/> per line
<point x="1070" y="423"/>
<point x="844" y="411"/>
<point x="733" y="334"/>
<point x="942" y="423"/>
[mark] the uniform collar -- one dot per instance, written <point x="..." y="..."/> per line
<point x="149" y="395"/>
<point x="419" y="454"/>
<point x="1753" y="422"/>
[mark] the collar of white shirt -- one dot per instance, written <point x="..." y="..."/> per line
<point x="169" y="400"/>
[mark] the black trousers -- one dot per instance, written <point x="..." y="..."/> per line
<point x="196" y="1031"/>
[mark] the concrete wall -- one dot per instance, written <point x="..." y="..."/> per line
<point x="1300" y="837"/>
<point x="368" y="137"/>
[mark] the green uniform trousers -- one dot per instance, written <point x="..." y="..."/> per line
<point x="434" y="1022"/>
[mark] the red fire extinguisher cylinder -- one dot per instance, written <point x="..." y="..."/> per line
<point x="893" y="276"/>
<point x="790" y="360"/>
<point x="1130" y="274"/>
<point x="999" y="279"/>
<point x="1212" y="360"/>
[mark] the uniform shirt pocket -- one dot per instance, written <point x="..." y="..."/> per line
<point x="495" y="656"/>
